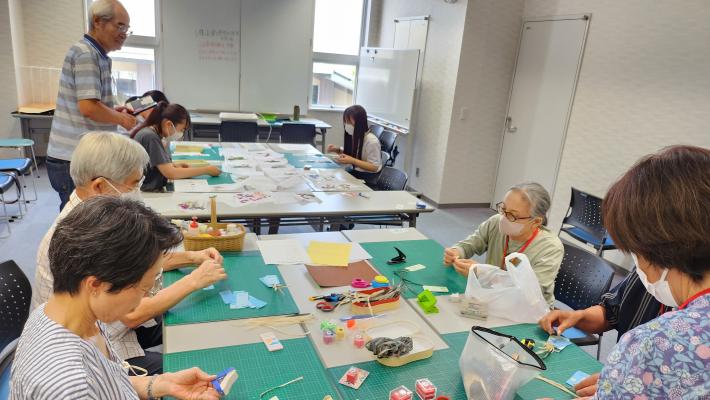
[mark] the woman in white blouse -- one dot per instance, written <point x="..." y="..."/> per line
<point x="361" y="147"/>
<point x="105" y="256"/>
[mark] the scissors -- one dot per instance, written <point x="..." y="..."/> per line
<point x="327" y="306"/>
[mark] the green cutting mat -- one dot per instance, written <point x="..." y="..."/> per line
<point x="443" y="369"/>
<point x="426" y="252"/>
<point x="221" y="179"/>
<point x="314" y="160"/>
<point x="243" y="271"/>
<point x="260" y="369"/>
<point x="208" y="153"/>
<point x="560" y="366"/>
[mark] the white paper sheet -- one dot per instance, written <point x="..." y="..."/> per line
<point x="283" y="252"/>
<point x="358" y="253"/>
<point x="191" y="186"/>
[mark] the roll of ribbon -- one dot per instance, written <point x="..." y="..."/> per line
<point x="359" y="283"/>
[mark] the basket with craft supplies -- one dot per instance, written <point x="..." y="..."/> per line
<point x="221" y="236"/>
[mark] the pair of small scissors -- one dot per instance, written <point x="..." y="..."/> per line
<point x="327" y="306"/>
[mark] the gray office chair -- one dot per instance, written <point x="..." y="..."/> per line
<point x="294" y="132"/>
<point x="238" y="131"/>
<point x="391" y="179"/>
<point x="582" y="280"/>
<point x="377" y="130"/>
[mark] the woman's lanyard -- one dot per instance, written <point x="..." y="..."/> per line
<point x="694" y="297"/>
<point x="521" y="250"/>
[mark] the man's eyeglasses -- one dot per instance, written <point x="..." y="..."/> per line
<point x="500" y="207"/>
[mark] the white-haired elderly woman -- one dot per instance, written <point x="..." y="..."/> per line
<point x="519" y="226"/>
<point x="105" y="163"/>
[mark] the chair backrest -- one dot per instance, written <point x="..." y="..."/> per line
<point x="377" y="130"/>
<point x="585" y="212"/>
<point x="387" y="141"/>
<point x="298" y="133"/>
<point x="15" y="297"/>
<point x="391" y="179"/>
<point x="238" y="131"/>
<point x="384" y="157"/>
<point x="583" y="278"/>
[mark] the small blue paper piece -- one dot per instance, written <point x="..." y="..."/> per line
<point x="576" y="378"/>
<point x="256" y="303"/>
<point x="559" y="342"/>
<point x="242" y="300"/>
<point x="270" y="280"/>
<point x="573" y="333"/>
<point x="210" y="287"/>
<point x="227" y="297"/>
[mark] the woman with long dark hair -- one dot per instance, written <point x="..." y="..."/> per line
<point x="167" y="121"/>
<point x="361" y="147"/>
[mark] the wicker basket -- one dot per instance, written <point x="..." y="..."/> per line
<point x="221" y="243"/>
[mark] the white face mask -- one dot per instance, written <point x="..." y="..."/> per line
<point x="134" y="194"/>
<point x="660" y="289"/>
<point x="510" y="228"/>
<point x="177" y="135"/>
<point x="349" y="128"/>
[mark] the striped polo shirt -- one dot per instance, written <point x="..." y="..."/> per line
<point x="86" y="74"/>
<point x="51" y="362"/>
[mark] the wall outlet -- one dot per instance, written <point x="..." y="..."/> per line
<point x="416" y="172"/>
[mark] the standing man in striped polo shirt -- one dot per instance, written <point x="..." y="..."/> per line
<point x="85" y="100"/>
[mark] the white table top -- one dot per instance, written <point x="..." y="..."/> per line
<point x="306" y="238"/>
<point x="331" y="204"/>
<point x="383" y="235"/>
<point x="213" y="119"/>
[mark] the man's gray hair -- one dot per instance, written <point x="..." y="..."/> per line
<point x="104" y="9"/>
<point x="107" y="154"/>
<point x="537" y="196"/>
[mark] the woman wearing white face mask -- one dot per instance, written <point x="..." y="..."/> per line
<point x="361" y="147"/>
<point x="166" y="121"/>
<point x="659" y="211"/>
<point x="519" y="226"/>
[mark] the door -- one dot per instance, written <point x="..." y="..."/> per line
<point x="544" y="82"/>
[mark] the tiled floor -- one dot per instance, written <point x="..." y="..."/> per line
<point x="445" y="226"/>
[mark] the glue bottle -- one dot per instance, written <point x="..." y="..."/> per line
<point x="194" y="228"/>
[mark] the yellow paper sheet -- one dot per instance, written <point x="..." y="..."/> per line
<point x="193" y="163"/>
<point x="327" y="253"/>
<point x="185" y="148"/>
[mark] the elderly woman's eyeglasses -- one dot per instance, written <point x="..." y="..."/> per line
<point x="157" y="285"/>
<point x="500" y="207"/>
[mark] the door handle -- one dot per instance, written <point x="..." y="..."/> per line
<point x="509" y="127"/>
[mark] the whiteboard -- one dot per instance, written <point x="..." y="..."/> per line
<point x="276" y="55"/>
<point x="201" y="52"/>
<point x="386" y="83"/>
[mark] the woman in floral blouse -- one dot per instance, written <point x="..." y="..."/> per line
<point x="659" y="211"/>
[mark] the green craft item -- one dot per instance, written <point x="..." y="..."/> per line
<point x="427" y="301"/>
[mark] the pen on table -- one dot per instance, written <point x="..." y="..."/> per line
<point x="362" y="195"/>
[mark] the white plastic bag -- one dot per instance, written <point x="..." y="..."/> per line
<point x="494" y="366"/>
<point x="513" y="294"/>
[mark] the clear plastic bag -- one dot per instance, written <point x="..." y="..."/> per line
<point x="513" y="294"/>
<point x="494" y="365"/>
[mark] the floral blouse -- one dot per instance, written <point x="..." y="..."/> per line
<point x="666" y="358"/>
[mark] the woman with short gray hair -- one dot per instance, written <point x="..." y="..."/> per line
<point x="519" y="226"/>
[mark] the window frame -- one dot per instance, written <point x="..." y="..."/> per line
<point x="140" y="41"/>
<point x="343" y="59"/>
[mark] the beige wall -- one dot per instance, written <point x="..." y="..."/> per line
<point x="50" y="28"/>
<point x="9" y="126"/>
<point x="644" y="84"/>
<point x="485" y="71"/>
<point x="432" y="117"/>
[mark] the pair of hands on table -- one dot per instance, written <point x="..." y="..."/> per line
<point x="210" y="268"/>
<point x="565" y="319"/>
<point x="461" y="265"/>
<point x="342" y="158"/>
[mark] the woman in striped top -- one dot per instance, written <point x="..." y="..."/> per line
<point x="105" y="256"/>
